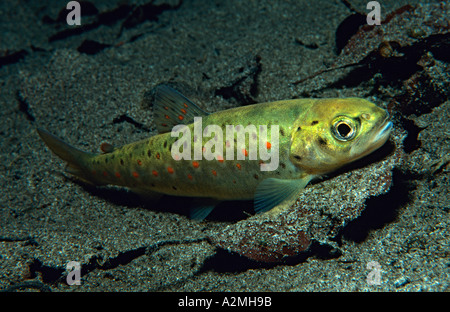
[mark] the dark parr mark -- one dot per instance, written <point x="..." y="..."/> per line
<point x="315" y="122"/>
<point x="322" y="141"/>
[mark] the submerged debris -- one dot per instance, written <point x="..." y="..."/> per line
<point x="395" y="48"/>
<point x="403" y="27"/>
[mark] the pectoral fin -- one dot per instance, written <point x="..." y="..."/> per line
<point x="272" y="192"/>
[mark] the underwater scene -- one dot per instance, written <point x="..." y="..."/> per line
<point x="225" y="146"/>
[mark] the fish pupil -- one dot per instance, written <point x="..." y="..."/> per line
<point x="343" y="129"/>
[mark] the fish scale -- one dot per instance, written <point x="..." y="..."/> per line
<point x="312" y="137"/>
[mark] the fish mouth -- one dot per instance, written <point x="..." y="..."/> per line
<point x="383" y="133"/>
<point x="378" y="140"/>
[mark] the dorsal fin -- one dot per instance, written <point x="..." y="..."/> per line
<point x="171" y="108"/>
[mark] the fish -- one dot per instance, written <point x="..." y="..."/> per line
<point x="214" y="156"/>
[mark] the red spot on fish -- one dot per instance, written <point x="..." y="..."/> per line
<point x="183" y="111"/>
<point x="117" y="174"/>
<point x="167" y="117"/>
<point x="94" y="172"/>
<point x="203" y="149"/>
<point x="166" y="107"/>
<point x="238" y="166"/>
<point x="139" y="162"/>
<point x="164" y="125"/>
<point x="195" y="164"/>
<point x="158" y="156"/>
<point x="170" y="170"/>
<point x="105" y="174"/>
<point x="219" y="158"/>
<point x="245" y="152"/>
<point x="227" y="143"/>
<point x="180" y="117"/>
<point x="189" y="176"/>
<point x="214" y="172"/>
<point x="155" y="173"/>
<point x="135" y="174"/>
<point x="268" y="145"/>
<point x="185" y="105"/>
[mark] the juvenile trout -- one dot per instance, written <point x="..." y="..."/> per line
<point x="267" y="152"/>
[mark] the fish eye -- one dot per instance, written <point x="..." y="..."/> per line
<point x="344" y="129"/>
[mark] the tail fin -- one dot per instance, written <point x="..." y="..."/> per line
<point x="76" y="159"/>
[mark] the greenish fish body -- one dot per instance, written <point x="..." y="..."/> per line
<point x="267" y="151"/>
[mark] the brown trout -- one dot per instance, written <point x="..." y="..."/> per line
<point x="231" y="154"/>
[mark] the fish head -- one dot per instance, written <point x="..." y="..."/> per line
<point x="335" y="132"/>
